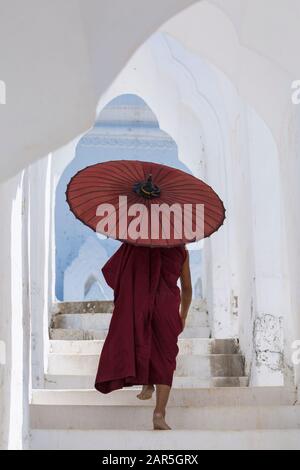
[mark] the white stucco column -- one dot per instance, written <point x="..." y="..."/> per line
<point x="269" y="295"/>
<point x="289" y="153"/>
<point x="39" y="198"/>
<point x="14" y="316"/>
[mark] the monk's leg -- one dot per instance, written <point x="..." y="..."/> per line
<point x="146" y="393"/>
<point x="162" y="397"/>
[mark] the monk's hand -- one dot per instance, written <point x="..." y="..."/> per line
<point x="182" y="321"/>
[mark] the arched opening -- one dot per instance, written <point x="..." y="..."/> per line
<point x="125" y="129"/>
<point x="252" y="275"/>
<point x="224" y="141"/>
<point x="216" y="135"/>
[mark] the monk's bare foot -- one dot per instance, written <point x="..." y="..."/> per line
<point x="146" y="393"/>
<point x="159" y="422"/>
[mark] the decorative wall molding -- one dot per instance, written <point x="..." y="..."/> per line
<point x="129" y="142"/>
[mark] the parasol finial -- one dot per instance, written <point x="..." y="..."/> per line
<point x="147" y="189"/>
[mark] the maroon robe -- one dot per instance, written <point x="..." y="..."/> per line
<point x="141" y="344"/>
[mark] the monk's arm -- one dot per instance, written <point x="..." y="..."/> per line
<point x="186" y="288"/>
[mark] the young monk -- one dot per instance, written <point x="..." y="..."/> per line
<point x="150" y="311"/>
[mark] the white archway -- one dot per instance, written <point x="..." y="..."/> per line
<point x="255" y="43"/>
<point x="224" y="141"/>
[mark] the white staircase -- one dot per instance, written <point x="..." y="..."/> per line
<point x="210" y="406"/>
<point x="90" y="321"/>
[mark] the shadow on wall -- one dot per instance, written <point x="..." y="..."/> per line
<point x="125" y="129"/>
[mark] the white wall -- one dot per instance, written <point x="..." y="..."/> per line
<point x="265" y="310"/>
<point x="226" y="143"/>
<point x="53" y="69"/>
<point x="289" y="152"/>
<point x="52" y="55"/>
<point x="14" y="316"/>
<point x="255" y="44"/>
<point x="39" y="261"/>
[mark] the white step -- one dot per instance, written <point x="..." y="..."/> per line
<point x="106" y="306"/>
<point x="84" y="321"/>
<point x="78" y="334"/>
<point x="209" y="410"/>
<point x="207" y="397"/>
<point x="87" y="382"/>
<point x="101" y="321"/>
<point x="186" y="346"/>
<point x="60" y="334"/>
<point x="204" y="366"/>
<point x="97" y="306"/>
<point x="161" y="440"/>
<point x="134" y="417"/>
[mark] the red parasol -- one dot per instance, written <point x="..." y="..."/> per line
<point x="144" y="203"/>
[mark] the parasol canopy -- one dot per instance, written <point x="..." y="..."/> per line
<point x="145" y="203"/>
